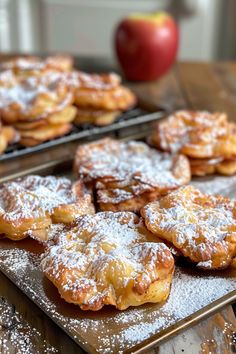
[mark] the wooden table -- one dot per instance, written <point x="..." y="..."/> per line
<point x="25" y="329"/>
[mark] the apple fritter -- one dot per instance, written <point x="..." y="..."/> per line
<point x="120" y="98"/>
<point x="25" y="66"/>
<point x="8" y="135"/>
<point x="29" y="205"/>
<point x="67" y="115"/>
<point x="202" y="227"/>
<point x="102" y="92"/>
<point x="127" y="175"/>
<point x="96" y="117"/>
<point x="62" y="62"/>
<point x="108" y="259"/>
<point x="202" y="167"/>
<point x="94" y="81"/>
<point x="196" y="135"/>
<point x="33" y="98"/>
<point x="44" y="133"/>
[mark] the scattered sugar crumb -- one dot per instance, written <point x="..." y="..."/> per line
<point x="17" y="336"/>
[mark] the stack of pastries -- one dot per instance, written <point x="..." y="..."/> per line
<point x="127" y="175"/>
<point x="112" y="235"/>
<point x="28" y="66"/>
<point x="100" y="99"/>
<point x="41" y="98"/>
<point x="8" y="135"/>
<point x="38" y="107"/>
<point x="207" y="139"/>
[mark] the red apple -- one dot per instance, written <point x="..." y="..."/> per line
<point x="146" y="45"/>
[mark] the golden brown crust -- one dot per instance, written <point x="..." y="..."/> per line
<point x="126" y="175"/>
<point x="25" y="66"/>
<point x="106" y="259"/>
<point x="34" y="98"/>
<point x="8" y="135"/>
<point x="120" y="98"/>
<point x="202" y="227"/>
<point x="196" y="135"/>
<point x="102" y="92"/>
<point x="97" y="117"/>
<point x="29" y="205"/>
<point x="41" y="134"/>
<point x="67" y="115"/>
<point x="98" y="82"/>
<point x="203" y="167"/>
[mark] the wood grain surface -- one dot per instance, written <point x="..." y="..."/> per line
<point x="24" y="328"/>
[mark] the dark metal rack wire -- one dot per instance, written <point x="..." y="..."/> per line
<point x="128" y="119"/>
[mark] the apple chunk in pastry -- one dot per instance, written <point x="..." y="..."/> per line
<point x="108" y="259"/>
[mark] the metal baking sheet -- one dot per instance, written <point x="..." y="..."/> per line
<point x="194" y="294"/>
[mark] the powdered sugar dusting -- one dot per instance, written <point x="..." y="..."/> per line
<point x="23" y="98"/>
<point x="100" y="258"/>
<point x="107" y="164"/>
<point x="33" y="196"/>
<point x="111" y="330"/>
<point x="193" y="133"/>
<point x="201" y="226"/>
<point x="18" y="334"/>
<point x="110" y="159"/>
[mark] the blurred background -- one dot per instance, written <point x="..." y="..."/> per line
<point x="85" y="27"/>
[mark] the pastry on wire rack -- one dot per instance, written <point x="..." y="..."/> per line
<point x="8" y="135"/>
<point x="108" y="259"/>
<point x="100" y="98"/>
<point x="201" y="227"/>
<point x="207" y="139"/>
<point x="128" y="175"/>
<point x="25" y="66"/>
<point x="29" y="205"/>
<point x="40" y="108"/>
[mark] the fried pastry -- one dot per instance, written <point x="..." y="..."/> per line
<point x="62" y="62"/>
<point x="120" y="98"/>
<point x="25" y="66"/>
<point x="34" y="98"/>
<point x="102" y="92"/>
<point x="202" y="167"/>
<point x="30" y="204"/>
<point x="127" y="175"/>
<point x="195" y="134"/>
<point x="38" y="107"/>
<point x="94" y="81"/>
<point x="41" y="134"/>
<point x="203" y="137"/>
<point x="67" y="115"/>
<point x="108" y="259"/>
<point x="202" y="227"/>
<point x="96" y="117"/>
<point x="8" y="135"/>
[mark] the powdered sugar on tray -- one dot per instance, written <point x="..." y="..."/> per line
<point x="110" y="330"/>
<point x="220" y="185"/>
<point x="18" y="334"/>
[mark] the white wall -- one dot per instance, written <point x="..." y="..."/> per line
<point x="86" y="26"/>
